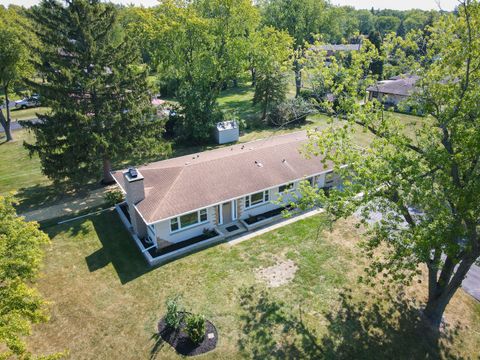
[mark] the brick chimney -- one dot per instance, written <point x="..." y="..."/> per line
<point x="135" y="192"/>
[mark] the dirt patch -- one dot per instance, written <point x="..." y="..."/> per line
<point x="277" y="275"/>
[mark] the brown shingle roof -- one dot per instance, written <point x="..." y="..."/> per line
<point x="179" y="185"/>
<point x="398" y="85"/>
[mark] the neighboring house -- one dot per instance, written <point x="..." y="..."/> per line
<point x="332" y="49"/>
<point x="181" y="204"/>
<point x="393" y="91"/>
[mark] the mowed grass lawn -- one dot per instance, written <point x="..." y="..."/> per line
<point x="105" y="302"/>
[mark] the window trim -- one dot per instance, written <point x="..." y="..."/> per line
<point x="265" y="199"/>
<point x="180" y="228"/>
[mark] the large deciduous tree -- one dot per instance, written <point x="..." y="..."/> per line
<point x="21" y="253"/>
<point x="302" y="19"/>
<point x="422" y="183"/>
<point x="14" y="60"/>
<point x="201" y="45"/>
<point x="272" y="59"/>
<point x="97" y="91"/>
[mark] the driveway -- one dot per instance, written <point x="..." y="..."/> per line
<point x="471" y="284"/>
<point x="16" y="125"/>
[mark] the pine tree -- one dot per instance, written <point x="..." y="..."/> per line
<point x="377" y="65"/>
<point x="97" y="90"/>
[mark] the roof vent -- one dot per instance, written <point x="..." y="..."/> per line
<point x="259" y="164"/>
<point x="284" y="160"/>
<point x="243" y="147"/>
<point x="132" y="172"/>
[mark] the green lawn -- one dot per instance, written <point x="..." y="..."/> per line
<point x="27" y="114"/>
<point x="17" y="169"/>
<point x="19" y="172"/>
<point x="105" y="302"/>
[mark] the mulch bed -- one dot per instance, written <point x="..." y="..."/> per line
<point x="175" y="246"/>
<point x="266" y="215"/>
<point x="182" y="343"/>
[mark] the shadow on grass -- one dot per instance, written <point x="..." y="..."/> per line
<point x="157" y="345"/>
<point x="38" y="196"/>
<point x="386" y="327"/>
<point x="117" y="248"/>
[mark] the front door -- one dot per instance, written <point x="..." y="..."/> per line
<point x="227" y="212"/>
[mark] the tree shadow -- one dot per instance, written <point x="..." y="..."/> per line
<point x="384" y="326"/>
<point x="272" y="331"/>
<point x="157" y="345"/>
<point x="118" y="248"/>
<point x="380" y="327"/>
<point x="37" y="196"/>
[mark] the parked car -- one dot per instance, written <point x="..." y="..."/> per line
<point x="32" y="101"/>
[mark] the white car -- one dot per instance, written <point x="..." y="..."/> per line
<point x="32" y="101"/>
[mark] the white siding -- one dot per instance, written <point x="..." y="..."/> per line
<point x="163" y="229"/>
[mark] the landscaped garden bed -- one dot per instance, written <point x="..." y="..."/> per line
<point x="124" y="208"/>
<point x="266" y="215"/>
<point x="180" y="245"/>
<point x="181" y="342"/>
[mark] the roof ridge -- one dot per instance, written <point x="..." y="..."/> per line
<point x="168" y="189"/>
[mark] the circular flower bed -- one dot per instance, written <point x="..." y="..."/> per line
<point x="180" y="341"/>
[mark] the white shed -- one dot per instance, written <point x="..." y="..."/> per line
<point x="226" y="132"/>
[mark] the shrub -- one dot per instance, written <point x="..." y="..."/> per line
<point x="114" y="197"/>
<point x="174" y="313"/>
<point x="195" y="327"/>
<point x="291" y="111"/>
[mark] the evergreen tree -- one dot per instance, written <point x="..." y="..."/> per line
<point x="272" y="51"/>
<point x="401" y="29"/>
<point x="376" y="66"/>
<point x="97" y="90"/>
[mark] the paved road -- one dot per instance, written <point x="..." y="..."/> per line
<point x="16" y="125"/>
<point x="471" y="284"/>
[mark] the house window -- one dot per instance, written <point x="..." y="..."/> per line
<point x="188" y="220"/>
<point x="203" y="215"/>
<point x="174" y="224"/>
<point x="257" y="199"/>
<point x="284" y="188"/>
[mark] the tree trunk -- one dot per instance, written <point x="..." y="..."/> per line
<point x="441" y="292"/>
<point x="298" y="78"/>
<point x="235" y="83"/>
<point x="254" y="76"/>
<point x="6" y="122"/>
<point x="107" y="176"/>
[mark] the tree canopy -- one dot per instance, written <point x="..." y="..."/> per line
<point x="21" y="254"/>
<point x="422" y="185"/>
<point x="15" y="56"/>
<point x="97" y="90"/>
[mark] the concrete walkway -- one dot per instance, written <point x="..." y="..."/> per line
<point x="267" y="228"/>
<point x="91" y="200"/>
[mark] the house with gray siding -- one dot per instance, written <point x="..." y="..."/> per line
<point x="393" y="91"/>
<point x="182" y="204"/>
